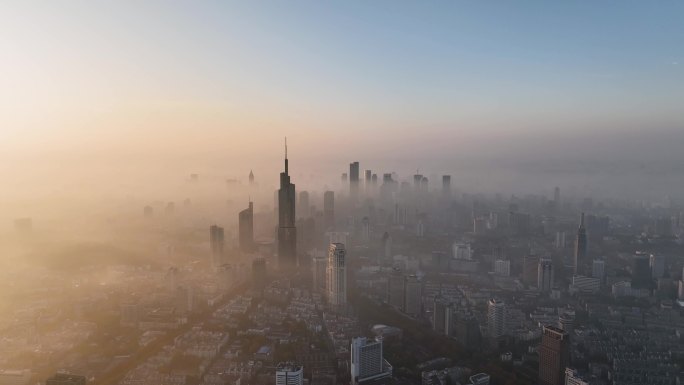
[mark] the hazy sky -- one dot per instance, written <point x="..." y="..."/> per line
<point x="97" y="81"/>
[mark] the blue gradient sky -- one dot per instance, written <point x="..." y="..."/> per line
<point x="214" y="76"/>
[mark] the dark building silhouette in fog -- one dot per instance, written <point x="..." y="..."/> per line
<point x="259" y="274"/>
<point x="446" y="185"/>
<point x="246" y="228"/>
<point x="66" y="379"/>
<point x="303" y="207"/>
<point x="329" y="210"/>
<point x="354" y="181"/>
<point x="554" y="356"/>
<point x="641" y="271"/>
<point x="216" y="240"/>
<point x="581" y="248"/>
<point x="287" y="232"/>
<point x="251" y="177"/>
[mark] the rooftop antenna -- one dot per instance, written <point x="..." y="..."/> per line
<point x="286" y="155"/>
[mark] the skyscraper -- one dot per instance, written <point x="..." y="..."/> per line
<point x="336" y="282"/>
<point x="581" y="248"/>
<point x="554" y="356"/>
<point x="287" y="232"/>
<point x="288" y="373"/>
<point x="413" y="294"/>
<point x="367" y="362"/>
<point x="545" y="275"/>
<point x="354" y="181"/>
<point x="259" y="274"/>
<point x="329" y="210"/>
<point x="216" y="242"/>
<point x="246" y="228"/>
<point x="303" y="211"/>
<point x="641" y="271"/>
<point x="251" y="177"/>
<point x="556" y="198"/>
<point x="446" y="186"/>
<point x="496" y="318"/>
<point x="319" y="267"/>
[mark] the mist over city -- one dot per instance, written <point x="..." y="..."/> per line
<point x="334" y="193"/>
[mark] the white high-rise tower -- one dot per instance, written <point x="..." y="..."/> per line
<point x="336" y="277"/>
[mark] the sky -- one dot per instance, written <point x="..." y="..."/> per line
<point x="210" y="84"/>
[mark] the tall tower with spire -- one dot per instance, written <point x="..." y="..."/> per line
<point x="287" y="232"/>
<point x="581" y="247"/>
<point x="251" y="177"/>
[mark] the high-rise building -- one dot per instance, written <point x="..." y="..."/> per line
<point x="251" y="177"/>
<point x="502" y="267"/>
<point x="354" y="181"/>
<point x="657" y="266"/>
<point x="556" y="198"/>
<point x="216" y="241"/>
<point x="573" y="377"/>
<point x="320" y="271"/>
<point x="287" y="232"/>
<point x="395" y="289"/>
<point x="560" y="240"/>
<point x="586" y="284"/>
<point x="329" y="210"/>
<point x="66" y="379"/>
<point x="288" y="373"/>
<point x="369" y="177"/>
<point x="336" y="283"/>
<point x="259" y="274"/>
<point x="365" y="229"/>
<point x="545" y="275"/>
<point x="530" y="270"/>
<point x="439" y="310"/>
<point x="554" y="356"/>
<point x="641" y="271"/>
<point x="367" y="362"/>
<point x="246" y="228"/>
<point x="598" y="269"/>
<point x="446" y="186"/>
<point x="387" y="245"/>
<point x="413" y="296"/>
<point x="581" y="248"/>
<point x="496" y="318"/>
<point x="566" y="321"/>
<point x="303" y="207"/>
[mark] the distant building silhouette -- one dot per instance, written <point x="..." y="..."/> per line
<point x="251" y="177"/>
<point x="581" y="248"/>
<point x="287" y="232"/>
<point x="354" y="181"/>
<point x="545" y="275"/>
<point x="303" y="207"/>
<point x="446" y="186"/>
<point x="246" y="228"/>
<point x="329" y="210"/>
<point x="217" y="243"/>
<point x="496" y="318"/>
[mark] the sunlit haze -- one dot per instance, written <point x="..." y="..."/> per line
<point x="516" y="212"/>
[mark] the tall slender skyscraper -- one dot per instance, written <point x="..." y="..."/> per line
<point x="554" y="355"/>
<point x="581" y="248"/>
<point x="216" y="241"/>
<point x="287" y="232"/>
<point x="354" y="181"/>
<point x="336" y="282"/>
<point x="246" y="228"/>
<point x="251" y="177"/>
<point x="329" y="210"/>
